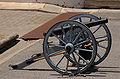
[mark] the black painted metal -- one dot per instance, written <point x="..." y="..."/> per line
<point x="58" y="31"/>
<point x="98" y="22"/>
<point x="26" y="62"/>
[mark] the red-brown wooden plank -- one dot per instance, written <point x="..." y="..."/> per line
<point x="38" y="32"/>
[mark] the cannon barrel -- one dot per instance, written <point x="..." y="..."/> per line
<point x="97" y="22"/>
<point x="58" y="31"/>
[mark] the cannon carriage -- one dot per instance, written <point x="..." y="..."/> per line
<point x="74" y="45"/>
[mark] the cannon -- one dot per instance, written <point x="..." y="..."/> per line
<point x="83" y="40"/>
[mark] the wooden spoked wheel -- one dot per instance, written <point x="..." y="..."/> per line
<point x="100" y="32"/>
<point x="62" y="44"/>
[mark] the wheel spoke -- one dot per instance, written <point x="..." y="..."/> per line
<point x="63" y="30"/>
<point x="102" y="46"/>
<point x="87" y="40"/>
<point x="90" y="19"/>
<point x="67" y="65"/>
<point x="60" y="60"/>
<point x="59" y="38"/>
<point x="80" y="19"/>
<point x="79" y="60"/>
<point x="56" y="52"/>
<point x="75" y="60"/>
<point x="81" y="57"/>
<point x="96" y="29"/>
<point x="98" y="55"/>
<point x="102" y="40"/>
<point x="86" y="50"/>
<point x="103" y="36"/>
<point x="77" y="37"/>
<point x="71" y="33"/>
<point x="56" y="45"/>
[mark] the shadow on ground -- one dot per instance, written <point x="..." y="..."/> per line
<point x="91" y="72"/>
<point x="9" y="46"/>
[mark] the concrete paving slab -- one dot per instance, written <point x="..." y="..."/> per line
<point x="3" y="36"/>
<point x="64" y="10"/>
<point x="108" y="69"/>
<point x="21" y="22"/>
<point x="111" y="13"/>
<point x="20" y="45"/>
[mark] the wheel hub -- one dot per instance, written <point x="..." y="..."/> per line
<point x="69" y="47"/>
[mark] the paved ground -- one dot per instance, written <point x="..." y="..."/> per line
<point x="108" y="69"/>
<point x="20" y="22"/>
